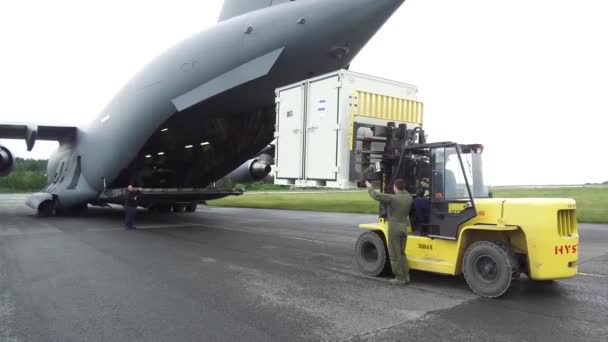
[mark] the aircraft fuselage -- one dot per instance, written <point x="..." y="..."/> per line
<point x="207" y="104"/>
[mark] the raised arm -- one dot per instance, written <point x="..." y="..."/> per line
<point x="377" y="195"/>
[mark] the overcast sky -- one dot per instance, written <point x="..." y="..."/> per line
<point x="527" y="78"/>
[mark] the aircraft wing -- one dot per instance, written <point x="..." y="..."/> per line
<point x="30" y="133"/>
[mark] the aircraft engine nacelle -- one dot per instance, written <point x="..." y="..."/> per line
<point x="251" y="171"/>
<point x="7" y="162"/>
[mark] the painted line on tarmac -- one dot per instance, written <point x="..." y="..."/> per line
<point x="274" y="235"/>
<point x="593" y="275"/>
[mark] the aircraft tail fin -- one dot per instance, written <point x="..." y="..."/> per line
<point x="234" y="8"/>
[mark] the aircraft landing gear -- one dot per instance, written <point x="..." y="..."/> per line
<point x="191" y="207"/>
<point x="80" y="209"/>
<point x="46" y="209"/>
<point x="178" y="208"/>
<point x="175" y="208"/>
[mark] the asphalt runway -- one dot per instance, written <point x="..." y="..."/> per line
<point x="259" y="275"/>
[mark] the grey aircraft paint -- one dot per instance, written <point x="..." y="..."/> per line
<point x="206" y="105"/>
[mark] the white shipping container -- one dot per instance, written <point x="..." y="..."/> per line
<point x="314" y="124"/>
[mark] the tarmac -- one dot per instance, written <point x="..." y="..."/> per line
<point x="225" y="274"/>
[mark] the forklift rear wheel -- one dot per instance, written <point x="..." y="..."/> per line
<point x="371" y="254"/>
<point x="489" y="268"/>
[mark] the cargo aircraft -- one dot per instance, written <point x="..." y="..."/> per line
<point x="202" y="110"/>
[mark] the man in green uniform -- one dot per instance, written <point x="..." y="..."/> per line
<point x="398" y="205"/>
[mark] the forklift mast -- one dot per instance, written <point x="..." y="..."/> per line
<point x="396" y="159"/>
<point x="441" y="202"/>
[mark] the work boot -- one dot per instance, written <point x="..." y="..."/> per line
<point x="398" y="281"/>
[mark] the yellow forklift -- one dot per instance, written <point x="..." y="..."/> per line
<point x="457" y="227"/>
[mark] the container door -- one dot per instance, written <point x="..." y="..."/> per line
<point x="289" y="142"/>
<point x="321" y="129"/>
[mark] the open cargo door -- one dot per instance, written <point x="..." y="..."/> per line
<point x="290" y="133"/>
<point x="322" y="130"/>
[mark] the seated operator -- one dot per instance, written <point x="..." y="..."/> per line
<point x="422" y="203"/>
<point x="444" y="182"/>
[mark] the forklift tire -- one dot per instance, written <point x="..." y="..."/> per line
<point x="371" y="254"/>
<point x="489" y="267"/>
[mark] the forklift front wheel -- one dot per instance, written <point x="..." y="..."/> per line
<point x="371" y="254"/>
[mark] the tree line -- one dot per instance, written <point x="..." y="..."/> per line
<point x="29" y="175"/>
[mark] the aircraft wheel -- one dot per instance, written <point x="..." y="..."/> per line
<point x="191" y="207"/>
<point x="489" y="267"/>
<point x="165" y="208"/>
<point x="46" y="209"/>
<point x="81" y="209"/>
<point x="371" y="254"/>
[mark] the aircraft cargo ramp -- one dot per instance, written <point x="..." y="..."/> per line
<point x="159" y="196"/>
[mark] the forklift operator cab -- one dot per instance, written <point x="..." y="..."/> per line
<point x="455" y="180"/>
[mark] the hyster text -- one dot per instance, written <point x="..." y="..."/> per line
<point x="566" y="249"/>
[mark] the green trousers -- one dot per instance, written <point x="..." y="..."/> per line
<point x="397" y="239"/>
